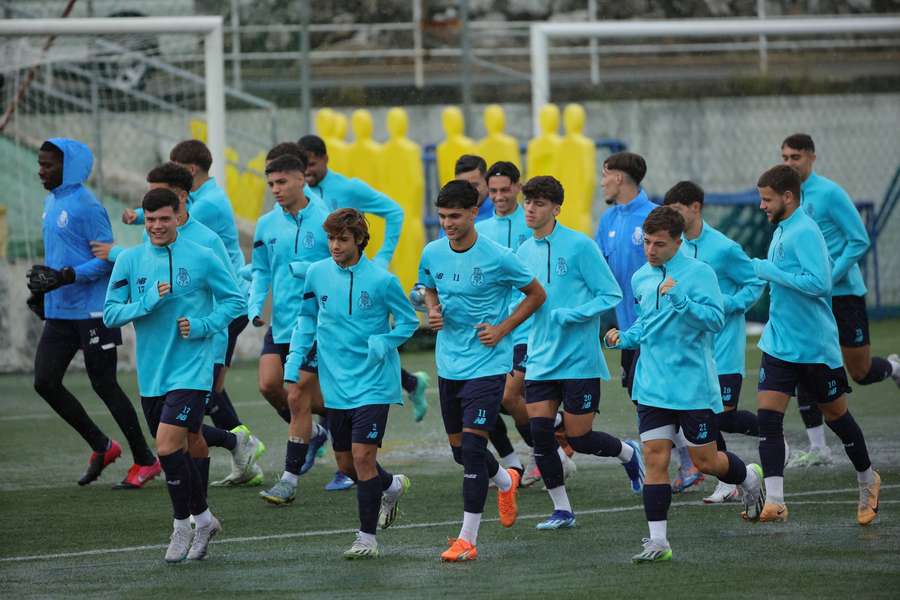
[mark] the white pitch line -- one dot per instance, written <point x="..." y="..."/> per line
<point x="328" y="532"/>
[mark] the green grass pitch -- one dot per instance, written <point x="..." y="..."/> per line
<point x="62" y="540"/>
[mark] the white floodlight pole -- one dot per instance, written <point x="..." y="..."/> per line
<point x="214" y="58"/>
<point x="541" y="32"/>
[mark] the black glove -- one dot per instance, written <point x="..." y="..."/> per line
<point x="35" y="304"/>
<point x="43" y="279"/>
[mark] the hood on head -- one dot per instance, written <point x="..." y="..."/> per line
<point x="77" y="160"/>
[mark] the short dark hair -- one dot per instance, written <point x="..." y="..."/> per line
<point x="192" y="152"/>
<point x="544" y="186"/>
<point x="171" y="174"/>
<point x="285" y="149"/>
<point x="51" y="147"/>
<point x="503" y="168"/>
<point x="782" y="179"/>
<point x="286" y="163"/>
<point x="313" y="144"/>
<point x="158" y="199"/>
<point x="629" y="163"/>
<point x="799" y="141"/>
<point x="457" y="194"/>
<point x="684" y="192"/>
<point x="348" y="219"/>
<point x="664" y="218"/>
<point x="469" y="162"/>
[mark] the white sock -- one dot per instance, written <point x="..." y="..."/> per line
<point x="775" y="490"/>
<point x="658" y="530"/>
<point x="469" y="531"/>
<point x="560" y="498"/>
<point x="866" y="477"/>
<point x="182" y="523"/>
<point x="502" y="480"/>
<point x="557" y="421"/>
<point x="816" y="436"/>
<point x="562" y="454"/>
<point x="368" y="538"/>
<point x="203" y="519"/>
<point x="511" y="461"/>
<point x="290" y="478"/>
<point x="626" y="453"/>
<point x="680" y="441"/>
<point x="394" y="488"/>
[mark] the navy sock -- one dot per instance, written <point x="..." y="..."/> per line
<point x="198" y="492"/>
<point x="457" y="454"/>
<point x="221" y="411"/>
<point x="368" y="498"/>
<point x="737" y="470"/>
<point x="847" y="429"/>
<point x="203" y="468"/>
<point x="492" y="465"/>
<point x="545" y="454"/>
<point x="771" y="442"/>
<point x="178" y="482"/>
<point x="384" y="477"/>
<point x="285" y="414"/>
<point x="809" y="408"/>
<point x="721" y="446"/>
<point x="475" y="478"/>
<point x="408" y="381"/>
<point x="879" y="370"/>
<point x="219" y="438"/>
<point x="598" y="443"/>
<point x="657" y="498"/>
<point x="738" y="421"/>
<point x="525" y="432"/>
<point x="295" y="456"/>
<point x="499" y="437"/>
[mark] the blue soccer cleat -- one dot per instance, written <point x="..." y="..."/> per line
<point x="560" y="519"/>
<point x="340" y="482"/>
<point x="635" y="467"/>
<point x="318" y="440"/>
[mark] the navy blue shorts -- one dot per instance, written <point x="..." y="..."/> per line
<point x="730" y="386"/>
<point x="182" y="408"/>
<point x="470" y="403"/>
<point x="234" y="330"/>
<point x="310" y="364"/>
<point x="87" y="334"/>
<point x="578" y="396"/>
<point x="823" y="383"/>
<point x="363" y="425"/>
<point x="852" y="320"/>
<point x="520" y="357"/>
<point x="700" y="427"/>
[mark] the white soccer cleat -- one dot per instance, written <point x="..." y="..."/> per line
<point x="895" y="366"/>
<point x="179" y="544"/>
<point x="724" y="493"/>
<point x="362" y="548"/>
<point x="390" y="503"/>
<point x="814" y="457"/>
<point x="754" y="497"/>
<point x="245" y="453"/>
<point x="202" y="537"/>
<point x="532" y="475"/>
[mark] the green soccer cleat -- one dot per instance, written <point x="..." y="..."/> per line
<point x="654" y="551"/>
<point x="814" y="457"/>
<point x="280" y="494"/>
<point x="417" y="397"/>
<point x="390" y="503"/>
<point x="362" y="549"/>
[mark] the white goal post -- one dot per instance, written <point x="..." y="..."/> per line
<point x="214" y="63"/>
<point x="541" y="33"/>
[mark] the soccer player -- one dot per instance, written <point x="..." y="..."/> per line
<point x="800" y="343"/>
<point x="348" y="304"/>
<point x="620" y="239"/>
<point x="467" y="281"/>
<point x="288" y="239"/>
<point x="675" y="384"/>
<point x="740" y="291"/>
<point x="473" y="168"/>
<point x="177" y="294"/>
<point x="566" y="364"/>
<point x="833" y="211"/>
<point x="67" y="292"/>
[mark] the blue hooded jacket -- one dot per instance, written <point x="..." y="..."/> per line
<point x="72" y="218"/>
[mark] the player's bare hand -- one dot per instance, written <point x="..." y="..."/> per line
<point x="612" y="337"/>
<point x="436" y="318"/>
<point x="184" y="326"/>
<point x="257" y="322"/>
<point x="163" y="288"/>
<point x="100" y="249"/>
<point x="129" y="216"/>
<point x="489" y="335"/>
<point x="667" y="285"/>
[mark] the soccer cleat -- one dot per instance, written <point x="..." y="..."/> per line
<point x="340" y="482"/>
<point x="814" y="457"/>
<point x="635" y="467"/>
<point x="202" y="537"/>
<point x="389" y="503"/>
<point x="138" y="475"/>
<point x="459" y="551"/>
<point x="250" y="477"/>
<point x="532" y="475"/>
<point x="654" y="551"/>
<point x="868" y="501"/>
<point x="506" y="501"/>
<point x="755" y="496"/>
<point x="279" y="494"/>
<point x="771" y="513"/>
<point x="724" y="493"/>
<point x="179" y="544"/>
<point x="362" y="549"/>
<point x="247" y="451"/>
<point x="559" y="519"/>
<point x="99" y="461"/>
<point x="687" y="479"/>
<point x="417" y="396"/>
<point x="315" y="443"/>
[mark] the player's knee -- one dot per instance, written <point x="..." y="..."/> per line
<point x="580" y="443"/>
<point x="859" y="373"/>
<point x="473" y="446"/>
<point x="543" y="434"/>
<point x="105" y="388"/>
<point x="706" y="462"/>
<point x="271" y="390"/>
<point x="771" y="423"/>
<point x="47" y="387"/>
<point x="457" y="454"/>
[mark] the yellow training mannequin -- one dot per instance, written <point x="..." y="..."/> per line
<point x="576" y="170"/>
<point x="336" y="144"/>
<point x="497" y="145"/>
<point x="454" y="145"/>
<point x="543" y="149"/>
<point x="403" y="179"/>
<point x="364" y="160"/>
